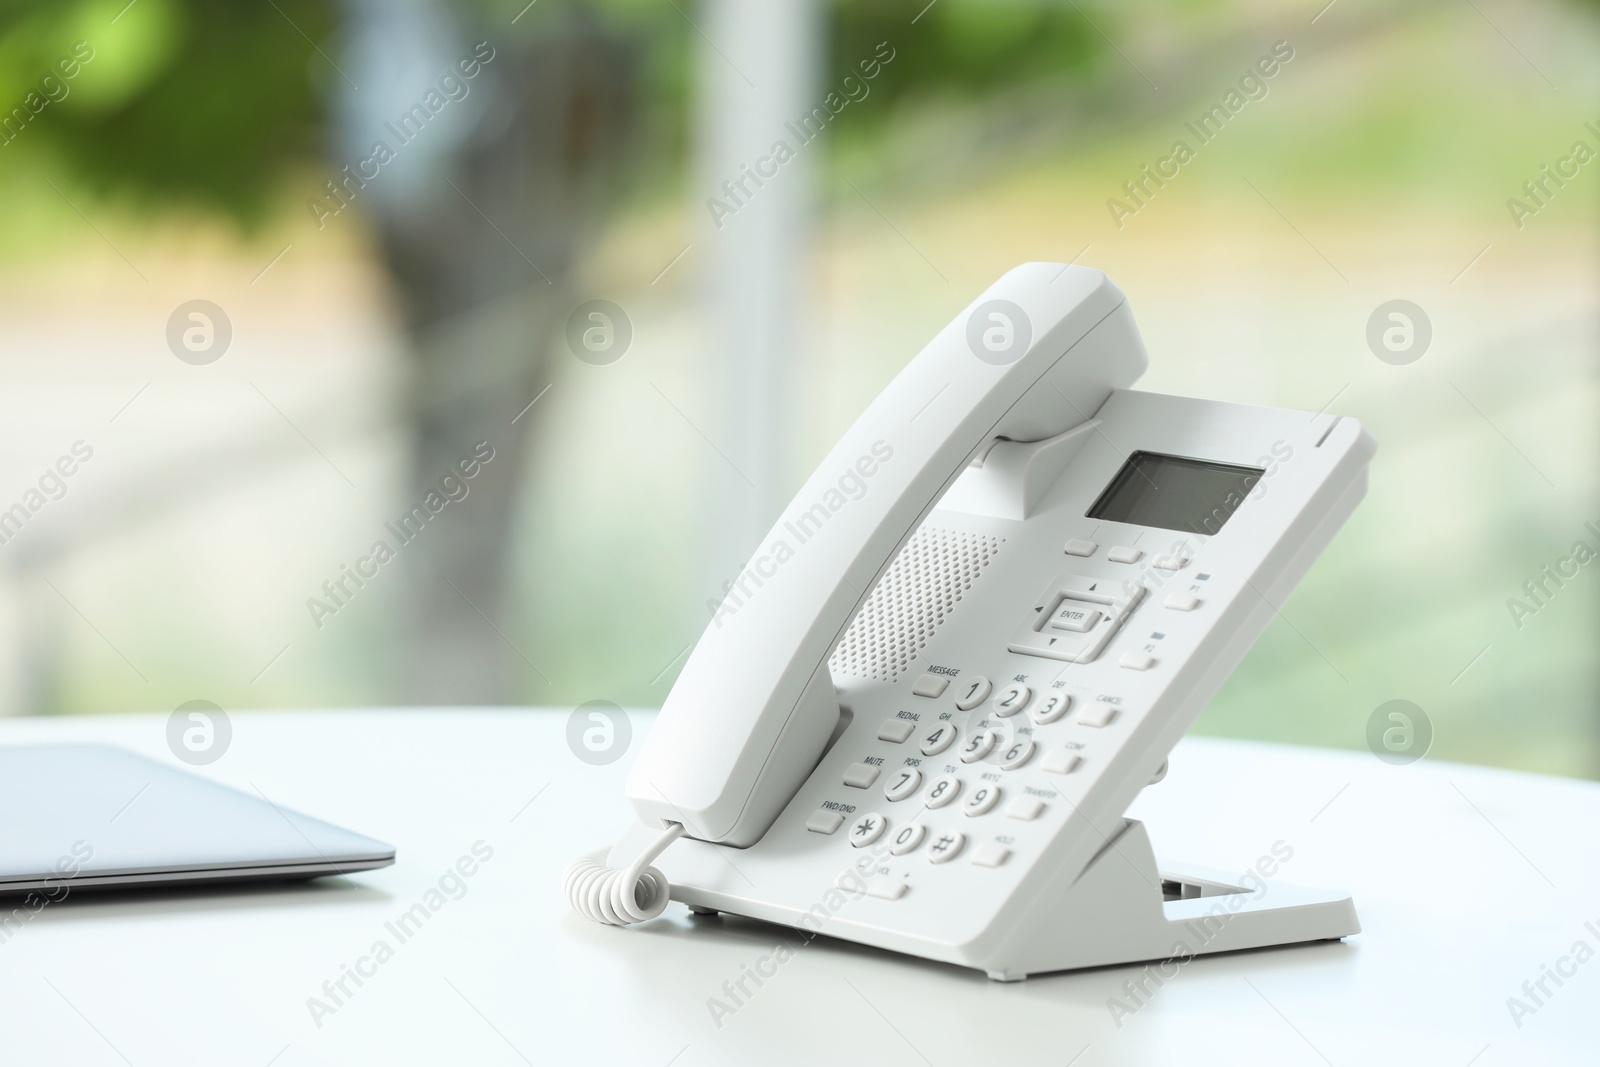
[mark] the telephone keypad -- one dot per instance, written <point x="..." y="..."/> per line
<point x="943" y="791"/>
<point x="1018" y="754"/>
<point x="907" y="840"/>
<point x="868" y="829"/>
<point x="1050" y="708"/>
<point x="982" y="799"/>
<point x="946" y="846"/>
<point x="940" y="739"/>
<point x="974" y="691"/>
<point x="860" y="775"/>
<point x="906" y="781"/>
<point x="1012" y="699"/>
<point x="979" y="744"/>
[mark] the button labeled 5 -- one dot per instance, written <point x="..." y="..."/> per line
<point x="979" y="744"/>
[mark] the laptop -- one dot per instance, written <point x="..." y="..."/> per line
<point x="82" y="816"/>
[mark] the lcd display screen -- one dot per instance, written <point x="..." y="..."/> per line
<point x="1174" y="493"/>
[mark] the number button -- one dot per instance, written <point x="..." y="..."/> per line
<point x="1012" y="699"/>
<point x="1050" y="708"/>
<point x="946" y="846"/>
<point x="974" y="691"/>
<point x="903" y="784"/>
<point x="943" y="791"/>
<point x="907" y="840"/>
<point x="868" y="829"/>
<point x="982" y="799"/>
<point x="1017" y="754"/>
<point x="979" y="744"/>
<point x="941" y="738"/>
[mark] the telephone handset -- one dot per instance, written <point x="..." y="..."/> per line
<point x="959" y="609"/>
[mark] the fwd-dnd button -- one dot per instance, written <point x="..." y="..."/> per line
<point x="823" y="821"/>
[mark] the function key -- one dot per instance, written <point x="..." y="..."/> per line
<point x="981" y="799"/>
<point x="1136" y="661"/>
<point x="860" y="775"/>
<point x="1097" y="715"/>
<point x="1124" y="554"/>
<point x="896" y="730"/>
<point x="972" y="692"/>
<point x="1060" y="761"/>
<point x="886" y="888"/>
<point x="1182" y="602"/>
<point x="942" y="737"/>
<point x="946" y="846"/>
<point x="823" y="821"/>
<point x="1025" y="808"/>
<point x="942" y="791"/>
<point x="1077" y="547"/>
<point x="868" y="829"/>
<point x="906" y="780"/>
<point x="989" y="854"/>
<point x="1012" y="699"/>
<point x="930" y="684"/>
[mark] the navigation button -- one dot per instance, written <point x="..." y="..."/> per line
<point x="1074" y="616"/>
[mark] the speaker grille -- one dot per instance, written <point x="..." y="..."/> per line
<point x="915" y="595"/>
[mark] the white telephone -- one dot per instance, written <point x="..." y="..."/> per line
<point x="971" y="640"/>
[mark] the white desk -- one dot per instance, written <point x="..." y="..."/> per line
<point x="1467" y="881"/>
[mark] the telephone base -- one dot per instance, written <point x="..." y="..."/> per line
<point x="1123" y="909"/>
<point x="1120" y="909"/>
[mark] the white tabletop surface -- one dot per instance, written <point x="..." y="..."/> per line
<point x="1468" y="882"/>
